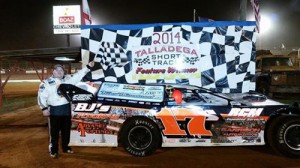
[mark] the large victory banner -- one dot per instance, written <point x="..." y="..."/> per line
<point x="214" y="55"/>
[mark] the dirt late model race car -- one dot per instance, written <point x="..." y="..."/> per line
<point x="144" y="117"/>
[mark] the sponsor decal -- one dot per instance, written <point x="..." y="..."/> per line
<point x="245" y="112"/>
<point x="92" y="128"/>
<point x="245" y="127"/>
<point x="97" y="124"/>
<point x="201" y="141"/>
<point x="86" y="122"/>
<point x="172" y="140"/>
<point x="86" y="107"/>
<point x="95" y="116"/>
<point x="240" y="131"/>
<point x="184" y="140"/>
<point x="82" y="97"/>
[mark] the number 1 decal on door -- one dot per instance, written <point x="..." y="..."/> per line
<point x="196" y="125"/>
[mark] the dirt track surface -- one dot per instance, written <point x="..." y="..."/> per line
<point x="24" y="143"/>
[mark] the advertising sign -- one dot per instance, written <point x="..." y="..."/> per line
<point x="66" y="19"/>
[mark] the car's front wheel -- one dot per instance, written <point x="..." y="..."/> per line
<point x="140" y="136"/>
<point x="284" y="136"/>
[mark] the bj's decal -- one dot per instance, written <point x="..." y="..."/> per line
<point x="85" y="107"/>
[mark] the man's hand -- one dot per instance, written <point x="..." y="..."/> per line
<point x="91" y="64"/>
<point x="46" y="113"/>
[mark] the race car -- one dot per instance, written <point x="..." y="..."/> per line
<point x="145" y="117"/>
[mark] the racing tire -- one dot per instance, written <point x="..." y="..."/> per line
<point x="140" y="137"/>
<point x="284" y="136"/>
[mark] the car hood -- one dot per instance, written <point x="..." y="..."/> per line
<point x="255" y="99"/>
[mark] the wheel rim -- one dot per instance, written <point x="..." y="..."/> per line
<point x="140" y="137"/>
<point x="292" y="137"/>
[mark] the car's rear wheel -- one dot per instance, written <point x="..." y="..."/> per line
<point x="284" y="136"/>
<point x="140" y="136"/>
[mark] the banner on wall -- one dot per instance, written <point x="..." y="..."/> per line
<point x="215" y="55"/>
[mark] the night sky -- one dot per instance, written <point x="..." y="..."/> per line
<point x="28" y="24"/>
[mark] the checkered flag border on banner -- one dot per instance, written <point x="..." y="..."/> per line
<point x="111" y="55"/>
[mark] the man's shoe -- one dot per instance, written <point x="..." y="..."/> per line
<point x="69" y="151"/>
<point x="54" y="155"/>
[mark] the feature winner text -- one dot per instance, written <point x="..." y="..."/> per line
<point x="170" y="70"/>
